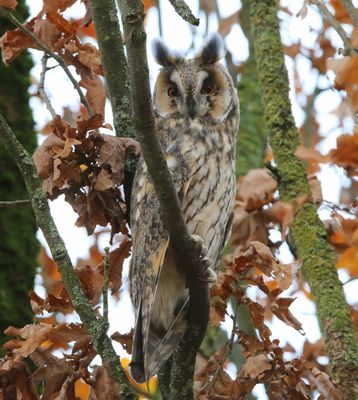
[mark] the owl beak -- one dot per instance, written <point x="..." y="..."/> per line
<point x="191" y="106"/>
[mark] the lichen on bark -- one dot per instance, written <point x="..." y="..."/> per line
<point x="308" y="233"/>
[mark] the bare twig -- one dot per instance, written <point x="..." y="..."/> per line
<point x="105" y="283"/>
<point x="351" y="10"/>
<point x="226" y="351"/>
<point x="42" y="91"/>
<point x="15" y="203"/>
<point x="50" y="53"/>
<point x="184" y="11"/>
<point x="348" y="49"/>
<point x="96" y="327"/>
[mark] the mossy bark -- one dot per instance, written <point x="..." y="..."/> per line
<point x="252" y="138"/>
<point x="307" y="230"/>
<point x="18" y="244"/>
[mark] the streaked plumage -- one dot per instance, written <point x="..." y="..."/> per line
<point x="197" y="116"/>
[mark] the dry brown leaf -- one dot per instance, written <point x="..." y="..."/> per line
<point x="346" y="153"/>
<point x="43" y="157"/>
<point x="226" y="24"/>
<point x="116" y="259"/>
<point x="255" y="366"/>
<point x="56" y="5"/>
<point x="103" y="181"/>
<point x="11" y="4"/>
<point x="96" y="94"/>
<point x="46" y="32"/>
<point x="64" y="26"/>
<point x="280" y="307"/>
<point x="32" y="336"/>
<point x="256" y="189"/>
<point x="125" y="339"/>
<point x="12" y="44"/>
<point x="323" y="384"/>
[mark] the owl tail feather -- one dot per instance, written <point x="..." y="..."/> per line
<point x="160" y="345"/>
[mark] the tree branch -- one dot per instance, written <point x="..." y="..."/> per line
<point x="307" y="230"/>
<point x="184" y="11"/>
<point x="96" y="327"/>
<point x="15" y="203"/>
<point x="348" y="49"/>
<point x="187" y="252"/>
<point x="50" y="53"/>
<point x="42" y="91"/>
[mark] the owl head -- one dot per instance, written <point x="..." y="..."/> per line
<point x="198" y="88"/>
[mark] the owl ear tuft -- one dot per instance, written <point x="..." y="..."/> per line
<point x="162" y="54"/>
<point x="212" y="51"/>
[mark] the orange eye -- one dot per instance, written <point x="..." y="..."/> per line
<point x="208" y="89"/>
<point x="173" y="91"/>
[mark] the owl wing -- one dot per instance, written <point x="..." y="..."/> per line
<point x="150" y="249"/>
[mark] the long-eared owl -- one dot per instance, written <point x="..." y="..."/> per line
<point x="197" y="117"/>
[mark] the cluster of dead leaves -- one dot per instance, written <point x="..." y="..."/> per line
<point x="60" y="36"/>
<point x="87" y="167"/>
<point x="79" y="162"/>
<point x="71" y="375"/>
<point x="258" y="209"/>
<point x="63" y="378"/>
<point x="265" y="360"/>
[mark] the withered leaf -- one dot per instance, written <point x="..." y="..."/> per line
<point x="46" y="32"/>
<point x="96" y="94"/>
<point x="13" y="43"/>
<point x="43" y="157"/>
<point x="280" y="307"/>
<point x="11" y="4"/>
<point x="56" y="5"/>
<point x="116" y="259"/>
<point x="31" y="336"/>
<point x="256" y="189"/>
<point x="125" y="339"/>
<point x="255" y="366"/>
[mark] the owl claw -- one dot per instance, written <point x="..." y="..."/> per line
<point x="209" y="275"/>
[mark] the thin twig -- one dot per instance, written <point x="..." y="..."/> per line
<point x="42" y="91"/>
<point x="226" y="350"/>
<point x="348" y="49"/>
<point x="15" y="203"/>
<point x="105" y="283"/>
<point x="50" y="53"/>
<point x="184" y="11"/>
<point x="351" y="10"/>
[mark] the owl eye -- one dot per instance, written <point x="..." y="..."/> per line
<point x="208" y="88"/>
<point x="173" y="91"/>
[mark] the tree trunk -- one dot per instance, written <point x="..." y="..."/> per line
<point x="308" y="232"/>
<point x="18" y="244"/>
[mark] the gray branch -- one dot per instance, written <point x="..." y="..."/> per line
<point x="348" y="49"/>
<point x="184" y="11"/>
<point x="15" y="203"/>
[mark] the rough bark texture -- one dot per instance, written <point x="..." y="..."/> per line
<point x="97" y="327"/>
<point x="18" y="244"/>
<point x="252" y="137"/>
<point x="307" y="230"/>
<point x="188" y="253"/>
